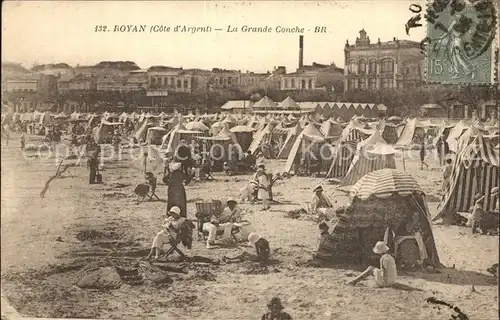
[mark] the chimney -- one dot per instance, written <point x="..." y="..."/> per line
<point x="301" y="51"/>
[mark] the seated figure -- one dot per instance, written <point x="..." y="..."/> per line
<point x="169" y="232"/>
<point x="321" y="205"/>
<point x="225" y="221"/>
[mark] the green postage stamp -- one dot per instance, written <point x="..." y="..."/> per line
<point x="461" y="44"/>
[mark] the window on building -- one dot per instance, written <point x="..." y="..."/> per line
<point x="387" y="83"/>
<point x="387" y="66"/>
<point x="153" y="81"/>
<point x="229" y="81"/>
<point x="362" y="66"/>
<point x="407" y="70"/>
<point x="310" y="84"/>
<point x="372" y="83"/>
<point x="179" y="84"/>
<point x="235" y="81"/>
<point x="362" y="83"/>
<point x="303" y="84"/>
<point x="224" y="81"/>
<point x="293" y="83"/>
<point x="285" y="83"/>
<point x="352" y="66"/>
<point x="185" y="83"/>
<point x="172" y="81"/>
<point x="372" y="67"/>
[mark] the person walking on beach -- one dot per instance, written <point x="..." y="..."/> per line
<point x="23" y="141"/>
<point x="176" y="193"/>
<point x="448" y="168"/>
<point x="442" y="149"/>
<point x="422" y="156"/>
<point x="93" y="167"/>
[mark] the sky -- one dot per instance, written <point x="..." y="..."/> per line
<point x="52" y="32"/>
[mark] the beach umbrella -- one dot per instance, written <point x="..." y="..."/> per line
<point x="384" y="183"/>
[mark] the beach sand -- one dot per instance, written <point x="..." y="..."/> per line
<point x="41" y="254"/>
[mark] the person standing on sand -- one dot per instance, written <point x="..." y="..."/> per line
<point x="422" y="155"/>
<point x="448" y="168"/>
<point x="276" y="311"/>
<point x="23" y="141"/>
<point x="442" y="149"/>
<point x="93" y="165"/>
<point x="263" y="191"/>
<point x="145" y="162"/>
<point x="387" y="274"/>
<point x="324" y="234"/>
<point x="176" y="194"/>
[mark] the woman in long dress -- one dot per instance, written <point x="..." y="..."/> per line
<point x="263" y="192"/>
<point x="176" y="193"/>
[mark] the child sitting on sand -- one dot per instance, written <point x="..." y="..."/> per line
<point x="276" y="311"/>
<point x="387" y="274"/>
<point x="323" y="228"/>
<point x="261" y="246"/>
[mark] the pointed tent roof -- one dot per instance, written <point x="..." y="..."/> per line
<point x="265" y="103"/>
<point x="311" y="132"/>
<point x="288" y="104"/>
<point x="197" y="126"/>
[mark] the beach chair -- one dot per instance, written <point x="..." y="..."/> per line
<point x="151" y="194"/>
<point x="205" y="211"/>
<point x="142" y="191"/>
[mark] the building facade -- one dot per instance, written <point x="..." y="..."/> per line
<point x="167" y="79"/>
<point x="314" y="77"/>
<point x="396" y="64"/>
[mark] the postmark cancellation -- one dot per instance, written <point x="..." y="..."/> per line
<point x="461" y="43"/>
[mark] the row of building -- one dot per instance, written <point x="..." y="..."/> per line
<point x="394" y="64"/>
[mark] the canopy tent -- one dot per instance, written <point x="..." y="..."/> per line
<point x="264" y="104"/>
<point x="307" y="139"/>
<point x="216" y="127"/>
<point x="155" y="135"/>
<point x="288" y="104"/>
<point x="291" y="137"/>
<point x="372" y="154"/>
<point x="475" y="170"/>
<point x="391" y="131"/>
<point x="382" y="199"/>
<point x="443" y="130"/>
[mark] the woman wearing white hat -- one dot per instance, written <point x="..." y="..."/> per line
<point x="169" y="231"/>
<point x="261" y="247"/>
<point x="387" y="274"/>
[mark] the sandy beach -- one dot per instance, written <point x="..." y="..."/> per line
<point x="43" y="252"/>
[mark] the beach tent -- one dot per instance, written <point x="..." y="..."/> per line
<point x="475" y="170"/>
<point x="455" y="134"/>
<point x="268" y="140"/>
<point x="155" y="135"/>
<point x="307" y="140"/>
<point x="291" y="137"/>
<point x="223" y="145"/>
<point x="197" y="126"/>
<point x="381" y="201"/>
<point x="372" y="154"/>
<point x="264" y="104"/>
<point x="331" y="129"/>
<point x="244" y="135"/>
<point x="344" y="150"/>
<point x="391" y="131"/>
<point x="171" y="140"/>
<point x="141" y="133"/>
<point x="104" y="132"/>
<point x="413" y="130"/>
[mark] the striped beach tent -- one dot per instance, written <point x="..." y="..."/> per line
<point x="381" y="201"/>
<point x="372" y="154"/>
<point x="476" y="170"/>
<point x="345" y="149"/>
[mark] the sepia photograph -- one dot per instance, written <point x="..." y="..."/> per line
<point x="238" y="160"/>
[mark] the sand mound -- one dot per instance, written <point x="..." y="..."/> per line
<point x="103" y="278"/>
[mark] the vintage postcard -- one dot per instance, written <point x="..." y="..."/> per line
<point x="239" y="160"/>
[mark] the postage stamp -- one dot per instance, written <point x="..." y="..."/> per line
<point x="461" y="47"/>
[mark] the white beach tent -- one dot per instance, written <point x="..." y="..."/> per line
<point x="372" y="154"/>
<point x="308" y="138"/>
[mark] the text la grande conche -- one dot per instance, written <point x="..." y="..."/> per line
<point x="202" y="29"/>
